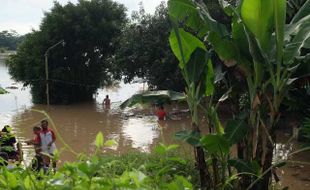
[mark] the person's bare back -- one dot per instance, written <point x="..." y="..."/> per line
<point x="107" y="102"/>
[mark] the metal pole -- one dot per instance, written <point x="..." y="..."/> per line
<point x="46" y="80"/>
<point x="46" y="72"/>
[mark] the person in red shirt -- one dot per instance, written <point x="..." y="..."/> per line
<point x="37" y="162"/>
<point x="47" y="143"/>
<point x="161" y="113"/>
<point x="36" y="139"/>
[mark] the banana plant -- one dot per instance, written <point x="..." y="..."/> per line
<point x="197" y="70"/>
<point x="266" y="49"/>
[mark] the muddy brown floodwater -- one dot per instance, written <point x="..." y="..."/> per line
<point x="133" y="130"/>
<point x="78" y="124"/>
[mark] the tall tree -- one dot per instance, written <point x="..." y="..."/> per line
<point x="144" y="51"/>
<point x="88" y="29"/>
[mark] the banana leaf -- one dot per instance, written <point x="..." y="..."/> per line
<point x="3" y="91"/>
<point x="153" y="97"/>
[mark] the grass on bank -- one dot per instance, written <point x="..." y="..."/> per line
<point x="163" y="169"/>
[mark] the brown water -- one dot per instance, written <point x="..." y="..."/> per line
<point x="132" y="129"/>
<point x="78" y="124"/>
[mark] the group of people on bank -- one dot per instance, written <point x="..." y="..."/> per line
<point x="43" y="142"/>
<point x="44" y="146"/>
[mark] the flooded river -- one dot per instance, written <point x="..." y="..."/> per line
<point x="78" y="124"/>
<point x="133" y="130"/>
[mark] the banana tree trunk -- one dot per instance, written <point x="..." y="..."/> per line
<point x="205" y="179"/>
<point x="268" y="163"/>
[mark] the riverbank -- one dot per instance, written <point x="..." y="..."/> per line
<point x="161" y="170"/>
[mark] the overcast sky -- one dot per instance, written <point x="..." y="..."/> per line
<point x="23" y="15"/>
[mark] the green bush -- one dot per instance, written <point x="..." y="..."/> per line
<point x="163" y="170"/>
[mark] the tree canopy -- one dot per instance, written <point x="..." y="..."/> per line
<point x="76" y="70"/>
<point x="10" y="39"/>
<point x="144" y="51"/>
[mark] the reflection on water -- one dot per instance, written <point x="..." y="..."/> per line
<point x="141" y="132"/>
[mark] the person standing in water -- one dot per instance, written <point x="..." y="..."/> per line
<point x="47" y="141"/>
<point x="161" y="113"/>
<point x="107" y="102"/>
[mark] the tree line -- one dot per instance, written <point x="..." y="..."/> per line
<point x="101" y="45"/>
<point x="9" y="39"/>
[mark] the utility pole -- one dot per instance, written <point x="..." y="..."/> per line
<point x="46" y="81"/>
<point x="46" y="71"/>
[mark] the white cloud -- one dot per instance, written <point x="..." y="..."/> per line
<point x="24" y="15"/>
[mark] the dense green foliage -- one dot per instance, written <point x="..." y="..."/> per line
<point x="161" y="170"/>
<point x="266" y="51"/>
<point x="144" y="51"/>
<point x="9" y="40"/>
<point x="76" y="70"/>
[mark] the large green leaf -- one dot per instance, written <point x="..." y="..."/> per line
<point x="196" y="16"/>
<point x="224" y="47"/>
<point x="279" y="17"/>
<point x="303" y="11"/>
<point x="293" y="29"/>
<point x="186" y="12"/>
<point x="183" y="44"/>
<point x="99" y="140"/>
<point x="191" y="137"/>
<point x="297" y="34"/>
<point x="257" y="15"/>
<point x="299" y="41"/>
<point x="209" y="79"/>
<point x="245" y="167"/>
<point x="196" y="64"/>
<point x="11" y="179"/>
<point x="215" y="144"/>
<point x="210" y="25"/>
<point x="216" y="121"/>
<point x="235" y="131"/>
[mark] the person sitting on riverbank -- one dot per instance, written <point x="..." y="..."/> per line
<point x="161" y="113"/>
<point x="107" y="102"/>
